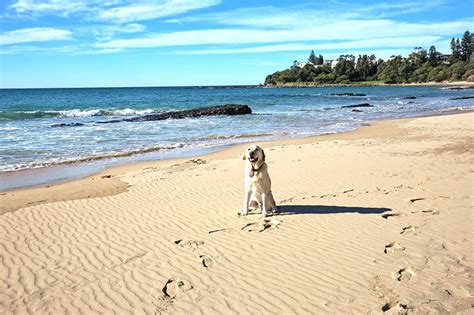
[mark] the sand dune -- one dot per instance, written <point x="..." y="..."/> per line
<point x="376" y="220"/>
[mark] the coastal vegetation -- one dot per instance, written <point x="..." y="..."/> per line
<point x="420" y="66"/>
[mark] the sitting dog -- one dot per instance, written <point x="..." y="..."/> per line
<point x="257" y="181"/>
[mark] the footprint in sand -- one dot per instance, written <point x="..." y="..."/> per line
<point x="401" y="308"/>
<point x="267" y="224"/>
<point x="207" y="261"/>
<point x="389" y="305"/>
<point x="432" y="212"/>
<point x="393" y="247"/>
<point x="409" y="229"/>
<point x="198" y="161"/>
<point x="413" y="200"/>
<point x="220" y="230"/>
<point x="389" y="215"/>
<point x="170" y="290"/>
<point x="174" y="286"/>
<point x="405" y="274"/>
<point x="188" y="243"/>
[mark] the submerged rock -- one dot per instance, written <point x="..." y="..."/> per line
<point x="227" y="109"/>
<point x="461" y="98"/>
<point x="67" y="125"/>
<point x="348" y="94"/>
<point x="358" y="105"/>
<point x="460" y="88"/>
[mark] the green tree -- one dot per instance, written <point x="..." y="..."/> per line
<point x="312" y="58"/>
<point x="433" y="56"/>
<point x="308" y="73"/>
<point x="466" y="46"/>
<point x="453" y="48"/>
<point x="320" y="60"/>
<point x="391" y="71"/>
<point x="439" y="74"/>
<point x="421" y="74"/>
<point x="457" y="70"/>
<point x="325" y="78"/>
<point x="458" y="48"/>
<point x="418" y="57"/>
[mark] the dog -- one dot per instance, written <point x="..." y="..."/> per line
<point x="257" y="182"/>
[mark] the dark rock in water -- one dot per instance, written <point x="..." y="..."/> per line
<point x="410" y="98"/>
<point x="461" y="98"/>
<point x="228" y="109"/>
<point x="109" y="121"/>
<point x="348" y="94"/>
<point x="358" y="105"/>
<point x="460" y="88"/>
<point x="67" y="125"/>
<point x="357" y="110"/>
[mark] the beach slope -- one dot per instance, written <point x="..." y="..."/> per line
<point x="371" y="221"/>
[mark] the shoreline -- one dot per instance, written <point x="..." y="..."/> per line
<point x="365" y="84"/>
<point x="73" y="170"/>
<point x="379" y="218"/>
<point x="253" y="86"/>
<point x="102" y="181"/>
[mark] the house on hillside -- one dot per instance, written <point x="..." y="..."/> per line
<point x="297" y="64"/>
<point x="443" y="58"/>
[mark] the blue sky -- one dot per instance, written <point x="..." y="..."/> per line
<point x="66" y="43"/>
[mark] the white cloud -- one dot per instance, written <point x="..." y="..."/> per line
<point x="54" y="7"/>
<point x="112" y="26"/>
<point x="394" y="42"/>
<point x="106" y="32"/>
<point x="150" y="11"/>
<point x="343" y="30"/>
<point x="312" y="14"/>
<point x="76" y="50"/>
<point x="34" y="34"/>
<point x="115" y="11"/>
<point x="269" y="17"/>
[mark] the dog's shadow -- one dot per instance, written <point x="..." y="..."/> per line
<point x="317" y="209"/>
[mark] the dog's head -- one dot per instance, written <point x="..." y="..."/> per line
<point x="255" y="155"/>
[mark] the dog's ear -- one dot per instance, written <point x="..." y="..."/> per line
<point x="263" y="155"/>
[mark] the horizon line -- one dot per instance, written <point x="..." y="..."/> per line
<point x="131" y="87"/>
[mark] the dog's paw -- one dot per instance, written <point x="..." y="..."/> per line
<point x="244" y="213"/>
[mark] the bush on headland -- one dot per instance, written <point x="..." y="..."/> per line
<point x="420" y="66"/>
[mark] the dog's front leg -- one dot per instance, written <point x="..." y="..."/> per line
<point x="264" y="205"/>
<point x="245" y="211"/>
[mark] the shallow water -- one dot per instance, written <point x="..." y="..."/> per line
<point x="29" y="140"/>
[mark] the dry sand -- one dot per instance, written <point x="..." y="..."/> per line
<point x="375" y="220"/>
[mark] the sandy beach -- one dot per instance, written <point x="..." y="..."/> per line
<point x="370" y="221"/>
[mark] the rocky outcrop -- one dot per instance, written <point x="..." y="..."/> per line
<point x="228" y="109"/>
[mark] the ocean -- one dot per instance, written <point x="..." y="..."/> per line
<point x="30" y="137"/>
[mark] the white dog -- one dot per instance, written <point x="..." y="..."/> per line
<point x="257" y="181"/>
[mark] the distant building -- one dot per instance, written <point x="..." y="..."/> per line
<point x="303" y="64"/>
<point x="297" y="64"/>
<point x="388" y="59"/>
<point x="442" y="58"/>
